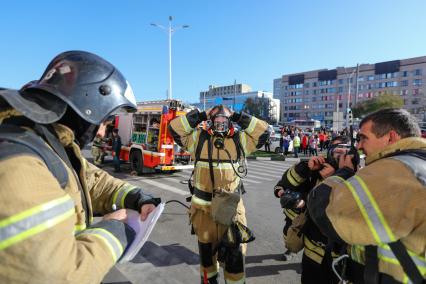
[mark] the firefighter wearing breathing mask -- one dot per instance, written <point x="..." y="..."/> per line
<point x="219" y="153"/>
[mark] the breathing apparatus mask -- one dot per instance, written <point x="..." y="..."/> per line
<point x="221" y="127"/>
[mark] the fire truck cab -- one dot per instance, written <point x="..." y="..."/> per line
<point x="147" y="143"/>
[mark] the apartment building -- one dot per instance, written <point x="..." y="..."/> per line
<point x="317" y="94"/>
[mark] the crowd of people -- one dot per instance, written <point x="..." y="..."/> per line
<point x="308" y="142"/>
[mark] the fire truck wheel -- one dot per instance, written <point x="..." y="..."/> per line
<point x="136" y="162"/>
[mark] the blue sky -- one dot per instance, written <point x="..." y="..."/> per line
<point x="250" y="41"/>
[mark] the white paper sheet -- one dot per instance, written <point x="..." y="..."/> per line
<point x="142" y="229"/>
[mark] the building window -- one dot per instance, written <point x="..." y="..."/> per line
<point x="340" y="89"/>
<point x="370" y="78"/>
<point x="306" y="85"/>
<point x="416" y="92"/>
<point x="404" y="73"/>
<point x="404" y="83"/>
<point x="391" y="84"/>
<point x="417" y="82"/>
<point x="417" y="72"/>
<point x="314" y="84"/>
<point x="404" y="92"/>
<point x="340" y="81"/>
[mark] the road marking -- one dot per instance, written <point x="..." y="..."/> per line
<point x="256" y="177"/>
<point x="270" y="171"/>
<point x="270" y="167"/>
<point x="164" y="186"/>
<point x="251" y="181"/>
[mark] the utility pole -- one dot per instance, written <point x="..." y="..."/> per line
<point x="356" y="84"/>
<point x="235" y="91"/>
<point x="170" y="30"/>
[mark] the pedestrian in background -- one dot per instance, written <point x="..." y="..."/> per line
<point x="296" y="145"/>
<point x="313" y="145"/>
<point x="116" y="148"/>
<point x="305" y="144"/>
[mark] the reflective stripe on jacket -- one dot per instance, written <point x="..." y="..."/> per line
<point x="382" y="203"/>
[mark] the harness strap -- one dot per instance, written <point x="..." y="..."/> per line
<point x="406" y="262"/>
<point x="371" y="271"/>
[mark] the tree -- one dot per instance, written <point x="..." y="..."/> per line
<point x="251" y="106"/>
<point x="259" y="107"/>
<point x="385" y="100"/>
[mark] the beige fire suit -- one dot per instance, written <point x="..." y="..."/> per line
<point x="43" y="232"/>
<point x="384" y="202"/>
<point x="209" y="233"/>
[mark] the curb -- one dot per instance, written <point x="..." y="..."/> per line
<point x="274" y="158"/>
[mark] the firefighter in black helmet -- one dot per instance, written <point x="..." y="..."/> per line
<point x="48" y="189"/>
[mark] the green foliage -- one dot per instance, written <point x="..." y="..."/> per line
<point x="252" y="107"/>
<point x="385" y="100"/>
<point x="260" y="108"/>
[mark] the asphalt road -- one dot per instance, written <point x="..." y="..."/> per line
<point x="171" y="254"/>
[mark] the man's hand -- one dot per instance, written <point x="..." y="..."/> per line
<point x="280" y="190"/>
<point x="327" y="170"/>
<point x="145" y="210"/>
<point x="316" y="162"/>
<point x="120" y="215"/>
<point x="346" y="161"/>
<point x="300" y="204"/>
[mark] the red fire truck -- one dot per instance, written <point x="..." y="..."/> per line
<point x="147" y="143"/>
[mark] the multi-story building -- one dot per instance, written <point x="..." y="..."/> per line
<point x="317" y="94"/>
<point x="219" y="91"/>
<point x="235" y="96"/>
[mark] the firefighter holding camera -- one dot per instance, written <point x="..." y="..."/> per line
<point x="217" y="211"/>
<point x="379" y="210"/>
<point x="299" y="231"/>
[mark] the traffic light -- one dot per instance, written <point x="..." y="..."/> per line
<point x="350" y="117"/>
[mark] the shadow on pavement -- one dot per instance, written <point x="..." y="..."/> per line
<point x="261" y="258"/>
<point x="165" y="255"/>
<point x="258" y="271"/>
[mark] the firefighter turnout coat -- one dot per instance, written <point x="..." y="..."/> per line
<point x="43" y="233"/>
<point x="253" y="135"/>
<point x="384" y="202"/>
<point x="301" y="179"/>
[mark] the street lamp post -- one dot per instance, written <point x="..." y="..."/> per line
<point x="349" y="94"/>
<point x="170" y="30"/>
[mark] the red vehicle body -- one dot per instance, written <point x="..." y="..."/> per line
<point x="147" y="142"/>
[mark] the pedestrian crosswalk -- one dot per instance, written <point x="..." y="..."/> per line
<point x="259" y="172"/>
